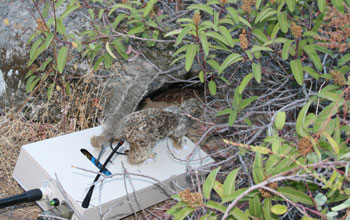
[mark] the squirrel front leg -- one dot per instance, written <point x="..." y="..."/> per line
<point x="98" y="141"/>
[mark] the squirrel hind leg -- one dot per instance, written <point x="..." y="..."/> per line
<point x="177" y="142"/>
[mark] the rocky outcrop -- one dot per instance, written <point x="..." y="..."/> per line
<point x="140" y="79"/>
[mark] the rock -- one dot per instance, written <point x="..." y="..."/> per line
<point x="140" y="79"/>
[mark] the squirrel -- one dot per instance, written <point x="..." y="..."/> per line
<point x="143" y="129"/>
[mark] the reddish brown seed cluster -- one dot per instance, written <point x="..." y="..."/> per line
<point x="267" y="194"/>
<point x="247" y="5"/>
<point x="338" y="77"/>
<point x="196" y="18"/>
<point x="305" y="146"/>
<point x="296" y="30"/>
<point x="243" y="40"/>
<point x="193" y="199"/>
<point x="335" y="29"/>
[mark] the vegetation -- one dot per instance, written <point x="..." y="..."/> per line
<point x="276" y="80"/>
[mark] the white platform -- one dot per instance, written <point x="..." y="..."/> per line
<point x="39" y="163"/>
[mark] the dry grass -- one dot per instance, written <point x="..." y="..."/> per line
<point x="82" y="108"/>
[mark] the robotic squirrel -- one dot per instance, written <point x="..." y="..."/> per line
<point x="143" y="129"/>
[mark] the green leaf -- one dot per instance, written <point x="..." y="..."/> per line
<point x="183" y="213"/>
<point x="297" y="70"/>
<point x="291" y="5"/>
<point x="326" y="113"/>
<point x="190" y="55"/>
<point x="209" y="183"/>
<point x="234" y="15"/>
<point x="338" y="4"/>
<point x="68" y="11"/>
<point x="295" y="195"/>
<point x="151" y="23"/>
<point x="255" y="206"/>
<point x="312" y="72"/>
<point x="43" y="47"/>
<point x="329" y="95"/>
<point x="267" y="208"/>
<point x="212" y="87"/>
<point x="149" y="7"/>
<point x="321" y="5"/>
<point x="245" y="82"/>
<point x="301" y="119"/>
<point x="244" y="103"/>
<point x="213" y="64"/>
<point x="29" y="82"/>
<point x="311" y="52"/>
<point x="45" y="63"/>
<point x="344" y="59"/>
<point x="177" y="59"/>
<point x="231" y="59"/>
<point x="216" y="37"/>
<point x="257" y="4"/>
<point x="216" y="206"/>
<point x="342" y="206"/>
<point x="33" y="36"/>
<point x="201" y="7"/>
<point x="35" y="47"/>
<point x="279" y="209"/>
<point x="182" y="35"/>
<point x="210" y="216"/>
<point x="116" y="6"/>
<point x="285" y="50"/>
<point x="320" y="199"/>
<point x="109" y="51"/>
<point x="33" y="84"/>
<point x="62" y="58"/>
<point x="230" y="182"/>
<point x="118" y="45"/>
<point x="260" y="48"/>
<point x="232" y="118"/>
<point x="204" y="43"/>
<point x="60" y="26"/>
<point x="256" y="67"/>
<point x="226" y="111"/>
<point x="275" y="31"/>
<point x="332" y="142"/>
<point x="67" y="89"/>
<point x="118" y="19"/>
<point x="227" y="35"/>
<point x="265" y="13"/>
<point x="100" y="13"/>
<point x="50" y="90"/>
<point x="260" y="35"/>
<point x="238" y="214"/>
<point x="237" y="98"/>
<point x="282" y="20"/>
<point x="244" y="21"/>
<point x="136" y="30"/>
<point x="201" y="76"/>
<point x="261" y="150"/>
<point x="280" y="120"/>
<point x="258" y="173"/>
<point x="174" y="32"/>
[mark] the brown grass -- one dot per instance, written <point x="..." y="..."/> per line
<point x="82" y="108"/>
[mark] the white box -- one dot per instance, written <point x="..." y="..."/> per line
<point x="39" y="163"/>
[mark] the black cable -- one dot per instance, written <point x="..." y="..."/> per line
<point x="29" y="196"/>
<point x="86" y="201"/>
